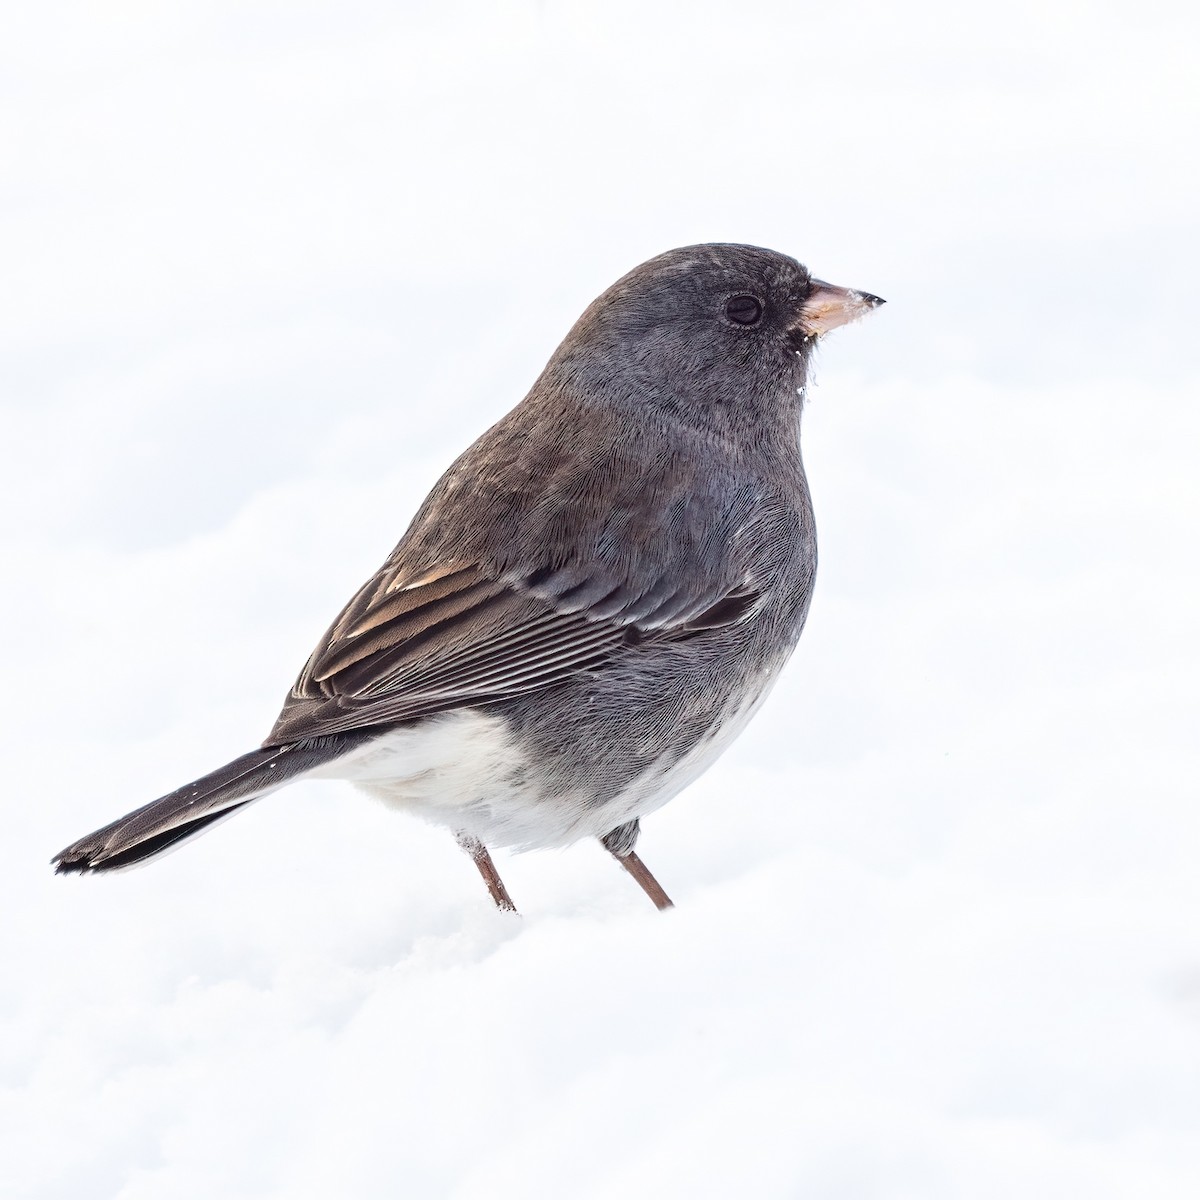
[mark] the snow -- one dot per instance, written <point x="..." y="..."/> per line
<point x="269" y="269"/>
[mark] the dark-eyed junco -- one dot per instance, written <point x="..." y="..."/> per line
<point x="593" y="600"/>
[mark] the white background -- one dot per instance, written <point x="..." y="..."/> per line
<point x="267" y="268"/>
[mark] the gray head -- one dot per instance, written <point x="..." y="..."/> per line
<point x="706" y="332"/>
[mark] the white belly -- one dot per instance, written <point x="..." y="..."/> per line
<point x="463" y="770"/>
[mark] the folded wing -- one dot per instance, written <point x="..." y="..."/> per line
<point x="410" y="645"/>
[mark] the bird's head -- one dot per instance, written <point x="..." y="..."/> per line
<point x="708" y="332"/>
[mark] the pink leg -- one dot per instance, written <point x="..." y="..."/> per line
<point x="483" y="860"/>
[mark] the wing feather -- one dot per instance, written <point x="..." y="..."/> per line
<point x="407" y="647"/>
<point x="449" y="621"/>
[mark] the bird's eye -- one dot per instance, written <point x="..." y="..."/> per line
<point x="743" y="310"/>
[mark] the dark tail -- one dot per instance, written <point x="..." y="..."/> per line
<point x="159" y="825"/>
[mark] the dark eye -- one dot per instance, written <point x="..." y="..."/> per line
<point x="743" y="310"/>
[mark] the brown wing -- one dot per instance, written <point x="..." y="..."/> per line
<point x="562" y="535"/>
<point x="407" y="647"/>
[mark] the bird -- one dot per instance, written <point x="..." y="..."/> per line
<point x="592" y="601"/>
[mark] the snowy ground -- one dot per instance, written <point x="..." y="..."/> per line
<point x="938" y="936"/>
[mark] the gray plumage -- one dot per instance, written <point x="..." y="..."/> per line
<point x="592" y="600"/>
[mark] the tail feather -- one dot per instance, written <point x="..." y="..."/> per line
<point x="161" y="824"/>
<point x="154" y="846"/>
